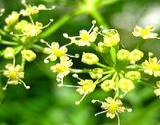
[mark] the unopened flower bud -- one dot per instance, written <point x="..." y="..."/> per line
<point x="133" y="75"/>
<point x="135" y="56"/>
<point x="96" y="73"/>
<point x="126" y="85"/>
<point x="107" y="85"/>
<point x="111" y="38"/>
<point x="28" y="55"/>
<point x="12" y="18"/>
<point x="89" y="58"/>
<point x="9" y="53"/>
<point x="123" y="54"/>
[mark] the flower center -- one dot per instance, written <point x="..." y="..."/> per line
<point x="112" y="107"/>
<point x="58" y="52"/>
<point x="13" y="74"/>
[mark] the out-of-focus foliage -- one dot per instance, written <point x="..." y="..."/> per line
<point x="45" y="103"/>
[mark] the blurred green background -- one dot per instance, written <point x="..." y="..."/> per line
<point x="45" y="103"/>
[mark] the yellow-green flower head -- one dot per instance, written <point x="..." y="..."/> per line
<point x="12" y="18"/>
<point x="62" y="68"/>
<point x="85" y="37"/>
<point x="101" y="47"/>
<point x="123" y="55"/>
<point x="126" y="85"/>
<point x="31" y="30"/>
<point x="21" y="25"/>
<point x="28" y="55"/>
<point x="111" y="38"/>
<point x="108" y="85"/>
<point x="31" y="10"/>
<point x="9" y="53"/>
<point x="87" y="86"/>
<point x="15" y="75"/>
<point x="89" y="58"/>
<point x="157" y="90"/>
<point x="133" y="75"/>
<point x="96" y="73"/>
<point x="145" y="33"/>
<point x="55" y="51"/>
<point x="151" y="66"/>
<point x="135" y="56"/>
<point x="112" y="106"/>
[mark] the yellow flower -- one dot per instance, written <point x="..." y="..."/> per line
<point x="9" y="53"/>
<point x="111" y="107"/>
<point x="31" y="30"/>
<point x="15" y="75"/>
<point x="86" y="87"/>
<point x="151" y="66"/>
<point x="111" y="38"/>
<point x="96" y="73"/>
<point x="28" y="55"/>
<point x="85" y="37"/>
<point x="12" y="19"/>
<point x="135" y="56"/>
<point x="123" y="55"/>
<point x="31" y="10"/>
<point x="126" y="85"/>
<point x="54" y="51"/>
<point x="157" y="90"/>
<point x="133" y="75"/>
<point x="145" y="33"/>
<point x="62" y="68"/>
<point x="20" y="25"/>
<point x="108" y="85"/>
<point x="89" y="58"/>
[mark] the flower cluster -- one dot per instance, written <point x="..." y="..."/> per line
<point x="106" y="65"/>
<point x="21" y="33"/>
<point x="112" y="68"/>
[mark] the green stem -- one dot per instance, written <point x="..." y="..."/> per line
<point x="104" y="78"/>
<point x="37" y="48"/>
<point x="8" y="42"/>
<point x="2" y="32"/>
<point x="23" y="63"/>
<point x="101" y="65"/>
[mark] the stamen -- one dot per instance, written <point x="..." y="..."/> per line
<point x="5" y="87"/>
<point x="23" y="2"/>
<point x="93" y="25"/>
<point x="76" y="76"/>
<point x="27" y="87"/>
<point x="2" y="11"/>
<point x="65" y="35"/>
<point x="129" y="110"/>
<point x="94" y="101"/>
<point x="50" y="21"/>
<point x="46" y="59"/>
<point x="73" y="56"/>
<point x="78" y="102"/>
<point x="51" y="8"/>
<point x="19" y="35"/>
<point x="45" y="42"/>
<point x="68" y="44"/>
<point x="102" y="112"/>
<point x="69" y="86"/>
